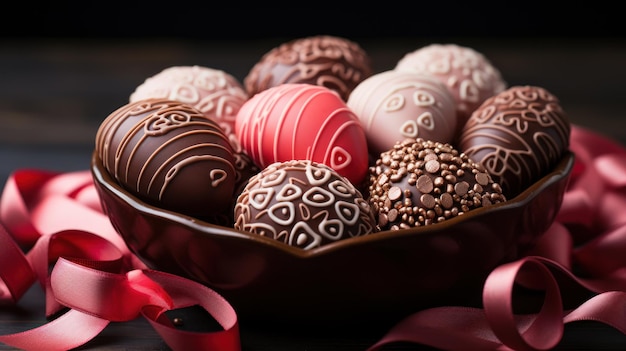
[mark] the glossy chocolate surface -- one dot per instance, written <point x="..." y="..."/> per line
<point x="169" y="154"/>
<point x="303" y="204"/>
<point x="303" y="122"/>
<point x="333" y="62"/>
<point x="518" y="135"/>
<point x="422" y="182"/>
<point x="357" y="280"/>
<point x="395" y="105"/>
<point x="215" y="93"/>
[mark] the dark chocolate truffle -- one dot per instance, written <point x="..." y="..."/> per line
<point x="334" y="62"/>
<point x="421" y="182"/>
<point x="518" y="135"/>
<point x="215" y="93"/>
<point x="170" y="155"/>
<point x="304" y="204"/>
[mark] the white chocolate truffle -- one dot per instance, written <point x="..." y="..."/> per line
<point x="395" y="105"/>
<point x="469" y="75"/>
<point x="215" y="93"/>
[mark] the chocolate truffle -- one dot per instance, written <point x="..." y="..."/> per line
<point x="170" y="155"/>
<point x="422" y="182"/>
<point x="518" y="135"/>
<point x="334" y="62"/>
<point x="215" y="93"/>
<point x="469" y="75"/>
<point x="303" y="122"/>
<point x="304" y="204"/>
<point x="395" y="105"/>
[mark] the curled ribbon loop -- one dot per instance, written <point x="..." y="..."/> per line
<point x="114" y="297"/>
<point x="86" y="248"/>
<point x="545" y="331"/>
<point x="149" y="293"/>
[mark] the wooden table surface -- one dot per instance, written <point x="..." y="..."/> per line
<point x="55" y="92"/>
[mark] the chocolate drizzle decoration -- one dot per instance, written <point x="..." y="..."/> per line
<point x="171" y="155"/>
<point x="518" y="135"/>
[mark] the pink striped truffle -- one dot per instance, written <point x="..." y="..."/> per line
<point x="303" y="122"/>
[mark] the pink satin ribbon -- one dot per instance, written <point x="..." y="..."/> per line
<point x="54" y="219"/>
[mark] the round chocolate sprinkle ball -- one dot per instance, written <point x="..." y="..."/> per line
<point x="421" y="182"/>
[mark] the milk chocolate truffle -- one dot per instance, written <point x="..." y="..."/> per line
<point x="422" y="182"/>
<point x="215" y="93"/>
<point x="518" y="135"/>
<point x="303" y="122"/>
<point x="334" y="62"/>
<point x="469" y="75"/>
<point x="395" y="105"/>
<point x="170" y="155"/>
<point x="304" y="204"/>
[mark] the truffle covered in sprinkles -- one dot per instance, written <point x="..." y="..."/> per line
<point x="421" y="182"/>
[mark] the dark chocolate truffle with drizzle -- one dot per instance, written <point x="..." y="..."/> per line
<point x="421" y="182"/>
<point x="333" y="62"/>
<point x="304" y="204"/>
<point x="518" y="135"/>
<point x="215" y="93"/>
<point x="170" y="155"/>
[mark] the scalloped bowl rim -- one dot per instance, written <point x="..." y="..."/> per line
<point x="562" y="169"/>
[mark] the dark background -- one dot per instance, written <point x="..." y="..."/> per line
<point x="359" y="20"/>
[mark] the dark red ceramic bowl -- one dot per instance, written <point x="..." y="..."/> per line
<point x="384" y="275"/>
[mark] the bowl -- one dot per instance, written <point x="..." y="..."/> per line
<point x="383" y="276"/>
